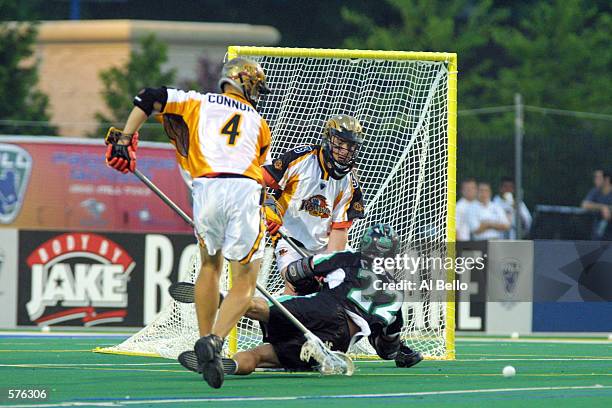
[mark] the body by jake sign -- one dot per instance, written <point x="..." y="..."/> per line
<point x="86" y="279"/>
<point x="77" y="279"/>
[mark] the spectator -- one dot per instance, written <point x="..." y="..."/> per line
<point x="469" y="191"/>
<point x="487" y="220"/>
<point x="598" y="180"/>
<point x="600" y="200"/>
<point x="505" y="199"/>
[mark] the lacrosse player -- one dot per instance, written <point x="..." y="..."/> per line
<point x="317" y="195"/>
<point x="346" y="309"/>
<point x="222" y="142"/>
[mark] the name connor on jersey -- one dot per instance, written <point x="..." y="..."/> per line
<point x="229" y="102"/>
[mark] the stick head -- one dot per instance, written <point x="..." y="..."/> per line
<point x="337" y="363"/>
<point x="330" y="362"/>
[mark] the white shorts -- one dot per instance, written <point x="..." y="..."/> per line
<point x="228" y="217"/>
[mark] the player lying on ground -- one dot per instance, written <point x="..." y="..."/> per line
<point x="346" y="308"/>
<point x="222" y="142"/>
<point x="316" y="195"/>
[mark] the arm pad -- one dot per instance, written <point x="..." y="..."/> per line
<point x="299" y="270"/>
<point x="147" y="98"/>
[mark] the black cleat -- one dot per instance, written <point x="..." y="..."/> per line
<point x="406" y="357"/>
<point x="189" y="360"/>
<point x="208" y="351"/>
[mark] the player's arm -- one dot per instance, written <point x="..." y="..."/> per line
<point x="122" y="144"/>
<point x="301" y="273"/>
<point x="279" y="174"/>
<point x="348" y="208"/>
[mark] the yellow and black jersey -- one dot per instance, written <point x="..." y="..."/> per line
<point x="224" y="133"/>
<point x="311" y="201"/>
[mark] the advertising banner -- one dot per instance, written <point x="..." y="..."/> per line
<point x="509" y="287"/>
<point x="64" y="184"/>
<point x="87" y="279"/>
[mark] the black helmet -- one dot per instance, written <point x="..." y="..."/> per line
<point x="379" y="241"/>
<point x="338" y="130"/>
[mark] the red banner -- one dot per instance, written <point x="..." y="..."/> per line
<point x="61" y="183"/>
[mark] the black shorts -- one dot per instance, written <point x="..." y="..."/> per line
<point x="321" y="315"/>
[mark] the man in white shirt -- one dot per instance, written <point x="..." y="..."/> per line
<point x="505" y="199"/>
<point x="469" y="191"/>
<point x="487" y="220"/>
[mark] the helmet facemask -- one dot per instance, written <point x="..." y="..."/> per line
<point x="379" y="241"/>
<point x="342" y="139"/>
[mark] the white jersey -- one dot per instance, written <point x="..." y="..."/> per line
<point x="225" y="134"/>
<point x="313" y="203"/>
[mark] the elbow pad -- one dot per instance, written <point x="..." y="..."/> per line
<point x="146" y="99"/>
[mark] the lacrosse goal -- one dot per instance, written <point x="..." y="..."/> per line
<point x="406" y="102"/>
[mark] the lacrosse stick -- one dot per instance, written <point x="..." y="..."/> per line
<point x="330" y="362"/>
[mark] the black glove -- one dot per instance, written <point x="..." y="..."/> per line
<point x="301" y="276"/>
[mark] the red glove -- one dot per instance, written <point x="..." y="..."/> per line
<point x="121" y="157"/>
<point x="272" y="227"/>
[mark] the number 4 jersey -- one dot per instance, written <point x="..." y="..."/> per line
<point x="216" y="133"/>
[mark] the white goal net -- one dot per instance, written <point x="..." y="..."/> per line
<point x="403" y="167"/>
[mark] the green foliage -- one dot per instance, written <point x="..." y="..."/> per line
<point x="121" y="84"/>
<point x="23" y="108"/>
<point x="554" y="52"/>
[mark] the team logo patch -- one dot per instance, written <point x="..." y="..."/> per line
<point x="278" y="164"/>
<point x="283" y="251"/>
<point x="357" y="206"/>
<point x="316" y="206"/>
<point x="73" y="274"/>
<point x="15" y="170"/>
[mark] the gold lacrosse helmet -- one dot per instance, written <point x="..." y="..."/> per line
<point x="247" y="76"/>
<point x="342" y="138"/>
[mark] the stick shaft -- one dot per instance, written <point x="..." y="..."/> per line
<point x="163" y="197"/>
<point x="292" y="243"/>
<point x="189" y="221"/>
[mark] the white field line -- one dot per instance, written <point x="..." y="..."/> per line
<point x="519" y="340"/>
<point x="168" y="401"/>
<point x="52" y="333"/>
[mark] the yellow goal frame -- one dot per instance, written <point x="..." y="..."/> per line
<point x="451" y="60"/>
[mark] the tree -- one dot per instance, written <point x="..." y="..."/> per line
<point x="23" y="108"/>
<point x="554" y="52"/>
<point x="121" y="84"/>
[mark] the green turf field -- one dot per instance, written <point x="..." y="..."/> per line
<point x="558" y="374"/>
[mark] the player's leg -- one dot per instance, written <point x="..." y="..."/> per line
<point x="210" y="224"/>
<point x="258" y="310"/>
<point x="206" y="286"/>
<point x="237" y="301"/>
<point x="239" y="200"/>
<point x="262" y="356"/>
<point x="285" y="255"/>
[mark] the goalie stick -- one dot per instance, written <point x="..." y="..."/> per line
<point x="330" y="362"/>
